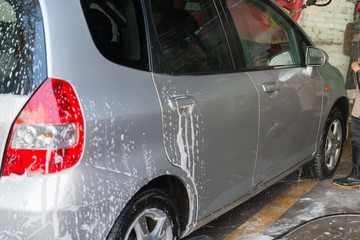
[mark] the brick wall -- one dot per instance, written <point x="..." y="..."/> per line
<point x="326" y="28"/>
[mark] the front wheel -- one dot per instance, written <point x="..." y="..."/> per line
<point x="330" y="147"/>
<point x="150" y="215"/>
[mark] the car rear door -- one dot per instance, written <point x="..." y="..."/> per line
<point x="289" y="92"/>
<point x="210" y="113"/>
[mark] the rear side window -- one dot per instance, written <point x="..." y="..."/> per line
<point x="22" y="48"/>
<point x="191" y="36"/>
<point x="117" y="29"/>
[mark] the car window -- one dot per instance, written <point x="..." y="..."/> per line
<point x="304" y="43"/>
<point x="191" y="36"/>
<point x="266" y="37"/>
<point x="22" y="48"/>
<point x="117" y="29"/>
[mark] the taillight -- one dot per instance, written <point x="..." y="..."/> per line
<point x="48" y="134"/>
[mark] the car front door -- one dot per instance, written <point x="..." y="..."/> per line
<point x="289" y="92"/>
<point x="210" y="113"/>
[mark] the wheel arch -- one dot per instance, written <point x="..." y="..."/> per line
<point x="179" y="196"/>
<point x="314" y="168"/>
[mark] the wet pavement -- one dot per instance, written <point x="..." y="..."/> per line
<point x="294" y="208"/>
<point x="337" y="226"/>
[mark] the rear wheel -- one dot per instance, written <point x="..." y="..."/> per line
<point x="149" y="215"/>
<point x="330" y="143"/>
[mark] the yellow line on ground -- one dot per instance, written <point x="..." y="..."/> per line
<point x="258" y="223"/>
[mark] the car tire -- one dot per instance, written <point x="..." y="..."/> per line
<point x="149" y="215"/>
<point x="330" y="147"/>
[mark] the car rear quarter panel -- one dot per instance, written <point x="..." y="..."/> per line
<point x="123" y="143"/>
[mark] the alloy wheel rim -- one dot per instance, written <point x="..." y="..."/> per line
<point x="151" y="224"/>
<point x="333" y="144"/>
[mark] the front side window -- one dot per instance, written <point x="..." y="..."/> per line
<point x="117" y="29"/>
<point x="22" y="48"/>
<point x="267" y="39"/>
<point x="191" y="36"/>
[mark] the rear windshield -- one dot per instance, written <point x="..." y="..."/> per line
<point x="22" y="48"/>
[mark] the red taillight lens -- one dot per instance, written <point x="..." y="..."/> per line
<point x="48" y="135"/>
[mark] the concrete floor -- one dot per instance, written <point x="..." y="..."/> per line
<point x="294" y="208"/>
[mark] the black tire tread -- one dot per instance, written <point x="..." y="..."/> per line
<point x="317" y="168"/>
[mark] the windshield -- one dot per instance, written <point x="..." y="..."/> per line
<point x="22" y="48"/>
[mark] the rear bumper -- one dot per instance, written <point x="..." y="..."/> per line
<point x="66" y="205"/>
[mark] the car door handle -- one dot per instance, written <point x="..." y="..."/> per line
<point x="270" y="87"/>
<point x="181" y="102"/>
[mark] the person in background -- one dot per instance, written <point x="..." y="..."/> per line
<point x="353" y="179"/>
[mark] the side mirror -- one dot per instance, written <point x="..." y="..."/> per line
<point x="316" y="57"/>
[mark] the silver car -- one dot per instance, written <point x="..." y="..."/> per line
<point x="134" y="119"/>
